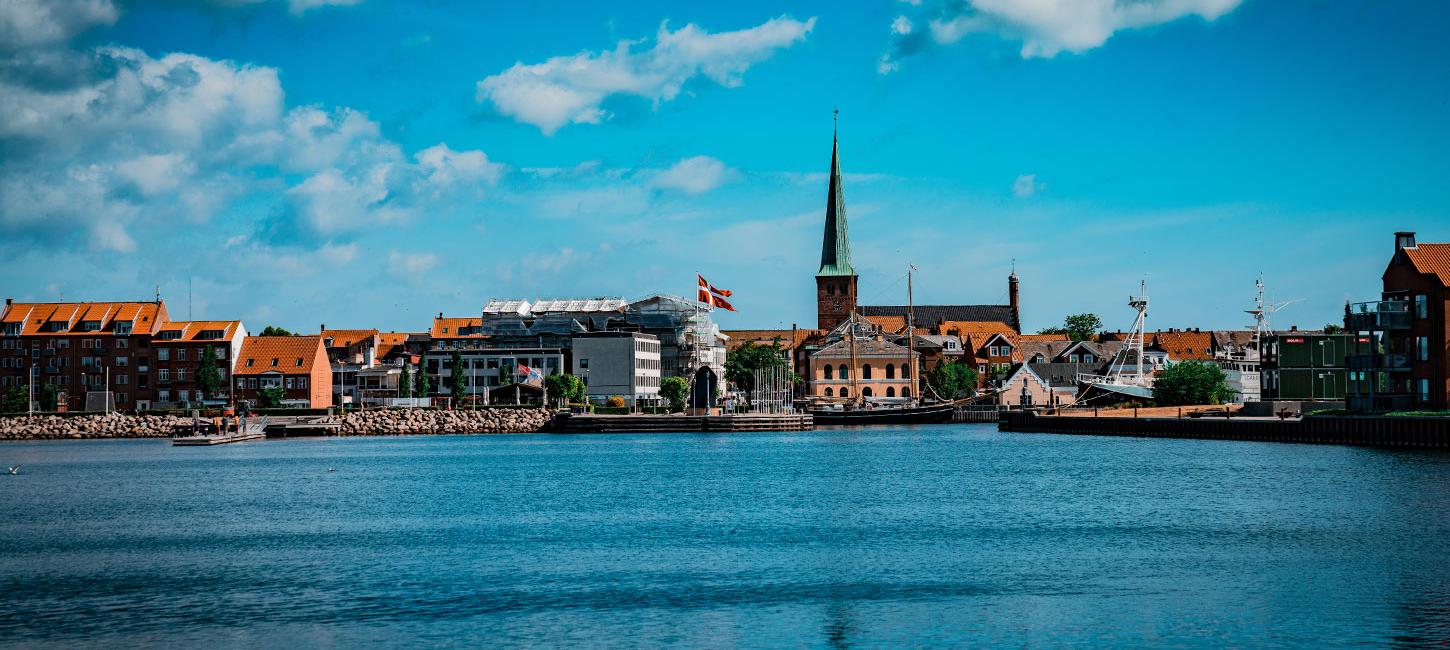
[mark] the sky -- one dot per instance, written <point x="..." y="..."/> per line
<point x="373" y="163"/>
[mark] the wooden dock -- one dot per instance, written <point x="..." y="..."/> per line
<point x="572" y="423"/>
<point x="222" y="439"/>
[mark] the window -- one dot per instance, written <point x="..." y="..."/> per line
<point x="163" y="354"/>
<point x="828" y="372"/>
<point x="122" y="344"/>
<point x="890" y="372"/>
<point x="274" y="363"/>
<point x="891" y="391"/>
<point x="122" y="362"/>
<point x="828" y="393"/>
<point x="1424" y="390"/>
<point x="120" y="398"/>
<point x="584" y="363"/>
<point x="181" y="354"/>
<point x="249" y="362"/>
<point x="291" y="383"/>
<point x="1422" y="306"/>
<point x="845" y="392"/>
<point x="866" y="372"/>
<point x="302" y="382"/>
<point x="906" y="392"/>
<point x="866" y="392"/>
<point x="181" y="374"/>
<point x="1422" y="348"/>
<point x="904" y="372"/>
<point x="163" y="396"/>
<point x="164" y="376"/>
<point x="121" y="380"/>
<point x="841" y="369"/>
<point x="299" y="362"/>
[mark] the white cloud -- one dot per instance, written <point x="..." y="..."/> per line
<point x="303" y="6"/>
<point x="570" y="89"/>
<point x="147" y="140"/>
<point x="1025" y="186"/>
<point x="694" y="175"/>
<point x="1044" y="27"/>
<point x="32" y="23"/>
<point x="411" y="262"/>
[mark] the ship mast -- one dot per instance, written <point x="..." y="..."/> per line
<point x="910" y="333"/>
<point x="851" y="335"/>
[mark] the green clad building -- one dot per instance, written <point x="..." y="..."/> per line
<point x="1305" y="366"/>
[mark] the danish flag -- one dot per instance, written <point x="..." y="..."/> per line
<point x="713" y="297"/>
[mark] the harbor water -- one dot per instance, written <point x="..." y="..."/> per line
<point x="943" y="535"/>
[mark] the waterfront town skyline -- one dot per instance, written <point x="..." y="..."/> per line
<point x="631" y="191"/>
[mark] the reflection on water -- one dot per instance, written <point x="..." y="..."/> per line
<point x="947" y="535"/>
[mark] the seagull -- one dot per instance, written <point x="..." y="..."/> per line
<point x="330" y="469"/>
<point x="14" y="469"/>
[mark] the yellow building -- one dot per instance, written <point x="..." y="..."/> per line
<point x="880" y="368"/>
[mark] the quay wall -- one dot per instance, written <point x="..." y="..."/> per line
<point x="114" y="425"/>
<point x="1407" y="432"/>
<point x="387" y="422"/>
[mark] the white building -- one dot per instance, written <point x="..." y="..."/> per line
<point x="624" y="364"/>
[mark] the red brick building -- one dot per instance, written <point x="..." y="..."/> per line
<point x="296" y="364"/>
<point x="149" y="360"/>
<point x="1400" y="357"/>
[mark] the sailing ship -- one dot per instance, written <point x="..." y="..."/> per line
<point x="856" y="410"/>
<point x="1126" y="377"/>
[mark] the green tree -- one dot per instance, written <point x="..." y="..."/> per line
<point x="566" y="387"/>
<point x="271" y="397"/>
<point x="208" y="375"/>
<point x="405" y="381"/>
<point x="675" y="390"/>
<point x="742" y="362"/>
<point x="48" y="396"/>
<point x="505" y="374"/>
<point x="423" y="388"/>
<point x="17" y="400"/>
<point x="1331" y="328"/>
<point x="1078" y="327"/>
<point x="273" y="330"/>
<point x="950" y="379"/>
<point x="457" y="382"/>
<point x="1191" y="382"/>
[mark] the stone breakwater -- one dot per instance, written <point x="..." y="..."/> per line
<point x="115" y="425"/>
<point x="426" y="421"/>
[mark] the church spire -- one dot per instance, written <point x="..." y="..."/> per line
<point x="835" y="245"/>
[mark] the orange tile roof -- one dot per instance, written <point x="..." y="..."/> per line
<point x="293" y="355"/>
<point x="892" y="324"/>
<point x="389" y="342"/>
<point x="1432" y="259"/>
<point x="346" y="338"/>
<point x="193" y="328"/>
<point x="447" y="328"/>
<point x="1185" y="345"/>
<point x="738" y="338"/>
<point x="144" y="316"/>
<point x="1044" y="337"/>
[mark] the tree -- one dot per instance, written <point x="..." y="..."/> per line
<point x="1331" y="328"/>
<point x="566" y="387"/>
<point x="950" y="379"/>
<point x="273" y="330"/>
<point x="505" y="374"/>
<point x="48" y="396"/>
<point x="457" y="382"/>
<point x="1191" y="382"/>
<point x="423" y="388"/>
<point x="271" y="398"/>
<point x="675" y="390"/>
<point x="1078" y="327"/>
<point x="742" y="362"/>
<point x="17" y="400"/>
<point x="405" y="381"/>
<point x="208" y="376"/>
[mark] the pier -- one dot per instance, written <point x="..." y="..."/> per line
<point x="1405" y="432"/>
<point x="572" y="423"/>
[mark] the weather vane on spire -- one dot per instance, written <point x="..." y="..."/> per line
<point x="835" y="115"/>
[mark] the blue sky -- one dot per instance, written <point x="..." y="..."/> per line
<point x="371" y="164"/>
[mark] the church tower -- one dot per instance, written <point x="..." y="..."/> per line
<point x="836" y="281"/>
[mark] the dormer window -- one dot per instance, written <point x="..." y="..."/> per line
<point x="91" y="326"/>
<point x="210" y="335"/>
<point x="12" y="329"/>
<point x="56" y="326"/>
<point x="169" y="335"/>
<point x="121" y="327"/>
<point x="274" y="363"/>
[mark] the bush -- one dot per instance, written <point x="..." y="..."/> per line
<point x="611" y="410"/>
<point x="1419" y="414"/>
<point x="1191" y="383"/>
<point x="675" y="390"/>
<point x="615" y="402"/>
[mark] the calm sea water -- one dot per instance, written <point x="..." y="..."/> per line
<point x="950" y="535"/>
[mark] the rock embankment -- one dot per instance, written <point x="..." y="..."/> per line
<point x="426" y="421"/>
<point x="115" y="425"/>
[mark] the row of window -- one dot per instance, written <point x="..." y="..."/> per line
<point x="644" y="345"/>
<point x="867" y="392"/>
<point x="841" y="371"/>
<point x="271" y="382"/>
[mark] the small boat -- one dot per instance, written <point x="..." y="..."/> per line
<point x="932" y="414"/>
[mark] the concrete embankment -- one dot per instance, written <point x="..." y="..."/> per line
<point x="115" y="425"/>
<point x="427" y="421"/>
<point x="1411" y="432"/>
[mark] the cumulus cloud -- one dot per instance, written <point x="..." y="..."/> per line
<point x="1025" y="186"/>
<point x="1044" y="27"/>
<point x="33" y="23"/>
<point x="571" y="89"/>
<point x="156" y="140"/>
<point x="694" y="175"/>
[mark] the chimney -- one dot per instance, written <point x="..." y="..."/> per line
<point x="1293" y="328"/>
<point x="1404" y="239"/>
<point x="1012" y="301"/>
<point x="9" y="301"/>
<point x="323" y="328"/>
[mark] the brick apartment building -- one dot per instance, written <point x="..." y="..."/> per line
<point x="1401" y="355"/>
<point x="296" y="364"/>
<point x="150" y="360"/>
